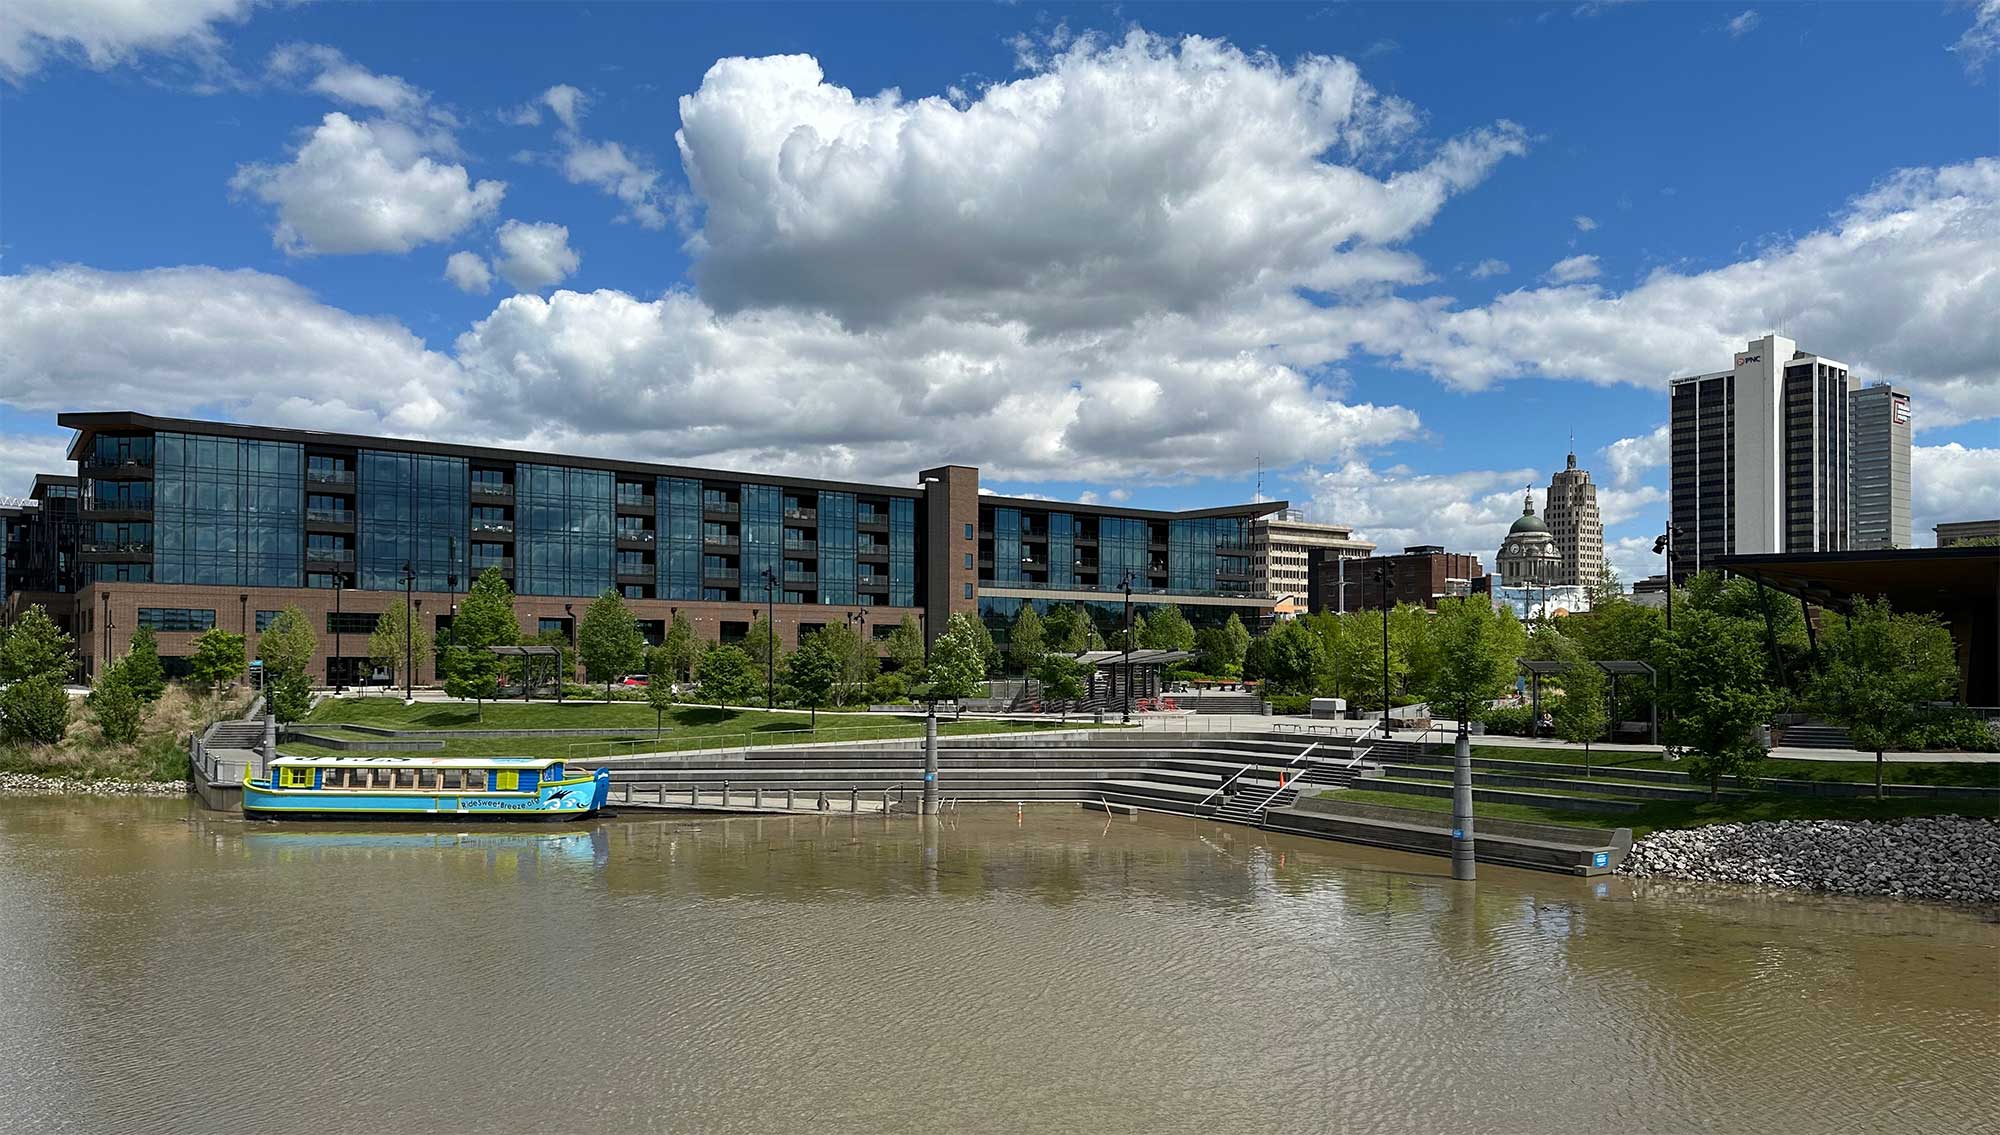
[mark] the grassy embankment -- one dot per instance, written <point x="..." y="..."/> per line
<point x="160" y="753"/>
<point x="1735" y="805"/>
<point x="685" y="727"/>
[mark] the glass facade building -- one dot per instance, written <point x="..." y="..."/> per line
<point x="225" y="511"/>
<point x="562" y="530"/>
<point x="412" y="510"/>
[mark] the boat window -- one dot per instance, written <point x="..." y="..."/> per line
<point x="453" y="778"/>
<point x="334" y="778"/>
<point x="427" y="778"/>
<point x="406" y="778"/>
<point x="506" y="780"/>
<point x="295" y="778"/>
<point x="475" y="780"/>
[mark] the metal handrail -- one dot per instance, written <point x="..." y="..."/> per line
<point x="1246" y="768"/>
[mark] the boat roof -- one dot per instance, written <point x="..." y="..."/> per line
<point x="377" y="760"/>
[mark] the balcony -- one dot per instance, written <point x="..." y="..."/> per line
<point x="492" y="491"/>
<point x="330" y="516"/>
<point x="329" y="476"/>
<point x="878" y="521"/>
<point x="636" y="504"/>
<point x="719" y="543"/>
<point x="504" y="563"/>
<point x="634" y="538"/>
<point x="493" y="527"/>
<point x="801" y="579"/>
<point x="802" y="514"/>
<point x="116" y="547"/>
<point x="636" y="577"/>
<point x="726" y="576"/>
<point x="329" y="555"/>
<point x="722" y="509"/>
<point x="801" y="549"/>
<point x="872" y="583"/>
<point x="114" y="469"/>
<point x="873" y="550"/>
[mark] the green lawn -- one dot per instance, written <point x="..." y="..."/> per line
<point x="1966" y="773"/>
<point x="1657" y="814"/>
<point x="685" y="727"/>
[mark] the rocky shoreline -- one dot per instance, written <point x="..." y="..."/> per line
<point x="28" y="784"/>
<point x="1945" y="858"/>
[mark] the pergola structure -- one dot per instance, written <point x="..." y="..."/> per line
<point x="527" y="654"/>
<point x="1146" y="669"/>
<point x="1536" y="668"/>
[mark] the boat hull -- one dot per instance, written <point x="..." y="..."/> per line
<point x="575" y="799"/>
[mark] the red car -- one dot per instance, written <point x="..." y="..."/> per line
<point x="635" y="680"/>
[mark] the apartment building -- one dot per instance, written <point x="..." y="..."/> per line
<point x="1282" y="547"/>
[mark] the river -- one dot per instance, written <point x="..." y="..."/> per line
<point x="162" y="968"/>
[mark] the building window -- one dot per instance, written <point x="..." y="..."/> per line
<point x="413" y="511"/>
<point x="227" y="511"/>
<point x="968" y="591"/>
<point x="264" y="620"/>
<point x="559" y="626"/>
<point x="176" y="619"/>
<point x="968" y="532"/>
<point x="968" y="560"/>
<point x="351" y="622"/>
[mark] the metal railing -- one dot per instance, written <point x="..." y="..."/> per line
<point x="801" y="547"/>
<point x="330" y="476"/>
<point x="329" y="555"/>
<point x="743" y="743"/>
<point x="801" y="514"/>
<point x="1246" y="768"/>
<point x="331" y="515"/>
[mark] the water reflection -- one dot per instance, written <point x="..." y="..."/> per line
<point x="1046" y="971"/>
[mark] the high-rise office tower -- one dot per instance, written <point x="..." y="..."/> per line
<point x="1579" y="530"/>
<point x="1880" y="489"/>
<point x="1761" y="456"/>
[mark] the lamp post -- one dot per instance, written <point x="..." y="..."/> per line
<point x="105" y="659"/>
<point x="1382" y="580"/>
<point x="409" y="626"/>
<point x="770" y="626"/>
<point x="333" y="665"/>
<point x="1125" y="585"/>
<point x="1665" y="544"/>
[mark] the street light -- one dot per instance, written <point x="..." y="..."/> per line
<point x="409" y="626"/>
<point x="1125" y="715"/>
<point x="771" y="637"/>
<point x="1664" y="544"/>
<point x="1382" y="580"/>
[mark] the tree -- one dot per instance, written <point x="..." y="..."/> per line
<point x="680" y="649"/>
<point x="1291" y="657"/>
<point x="1167" y="629"/>
<point x="814" y="669"/>
<point x="217" y="659"/>
<point x="958" y="660"/>
<point x="989" y="654"/>
<point x="287" y="645"/>
<point x="565" y="664"/>
<point x="1061" y="676"/>
<point x="726" y="676"/>
<point x="484" y="619"/>
<point x="761" y="643"/>
<point x="1581" y="716"/>
<point x="659" y="687"/>
<point x="115" y="705"/>
<point x="1067" y="628"/>
<point x="608" y="641"/>
<point x="386" y="644"/>
<point x="143" y="671"/>
<point x="1469" y="671"/>
<point x="1718" y="695"/>
<point x="1882" y="672"/>
<point x="906" y="649"/>
<point x="1026" y="640"/>
<point x="289" y="694"/>
<point x="471" y="672"/>
<point x="1239" y="635"/>
<point x="36" y="647"/>
<point x="35" y="709"/>
<point x="1214" y="651"/>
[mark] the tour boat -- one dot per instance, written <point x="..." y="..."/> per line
<point x="384" y="787"/>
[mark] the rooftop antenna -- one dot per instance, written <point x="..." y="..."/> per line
<point x="1259" y="499"/>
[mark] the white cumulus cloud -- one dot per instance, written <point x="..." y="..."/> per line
<point x="1744" y="23"/>
<point x="1584" y="224"/>
<point x="468" y="272"/>
<point x="1486" y="269"/>
<point x="1572" y="269"/>
<point x="1631" y="458"/>
<point x="105" y="33"/>
<point x="534" y="256"/>
<point x="359" y="186"/>
<point x="1952" y="482"/>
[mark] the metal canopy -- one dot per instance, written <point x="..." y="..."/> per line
<point x="529" y="651"/>
<point x="1544" y="666"/>
<point x="1137" y="658"/>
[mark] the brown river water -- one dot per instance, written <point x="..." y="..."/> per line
<point x="164" y="969"/>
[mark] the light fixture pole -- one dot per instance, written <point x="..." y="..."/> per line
<point x="771" y="634"/>
<point x="409" y="626"/>
<point x="1125" y="715"/>
<point x="1382" y="579"/>
<point x="340" y="684"/>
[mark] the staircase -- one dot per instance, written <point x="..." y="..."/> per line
<point x="1815" y="735"/>
<point x="235" y="735"/>
<point x="1220" y="701"/>
<point x="1248" y="804"/>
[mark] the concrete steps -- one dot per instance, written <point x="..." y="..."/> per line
<point x="1815" y="735"/>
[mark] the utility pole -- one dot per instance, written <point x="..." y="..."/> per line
<point x="1125" y="717"/>
<point x="1382" y="578"/>
<point x="771" y="642"/>
<point x="1463" y="864"/>
<point x="409" y="627"/>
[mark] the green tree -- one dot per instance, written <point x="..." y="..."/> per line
<point x="484" y="619"/>
<point x="1026" y="641"/>
<point x="386" y="643"/>
<point x="906" y="649"/>
<point x="1469" y="671"/>
<point x="761" y="643"/>
<point x="471" y="672"/>
<point x="289" y="695"/>
<point x="989" y="654"/>
<point x="36" y="647"/>
<point x="143" y="671"/>
<point x="1362" y="663"/>
<point x="287" y="645"/>
<point x="35" y="709"/>
<point x="1292" y="658"/>
<point x="115" y="705"/>
<point x="680" y="649"/>
<point x="608" y="640"/>
<point x="1718" y="694"/>
<point x="660" y="686"/>
<point x="216" y="660"/>
<point x="1067" y="628"/>
<point x="1214" y="651"/>
<point x="727" y="676"/>
<point x="1239" y="635"/>
<point x="1061" y="676"/>
<point x="815" y="668"/>
<point x="958" y="660"/>
<point x="1580" y="716"/>
<point x="1882" y="673"/>
<point x="1167" y="629"/>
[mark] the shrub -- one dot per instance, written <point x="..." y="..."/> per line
<point x="116" y="706"/>
<point x="1291" y="703"/>
<point x="889" y="689"/>
<point x="1507" y="721"/>
<point x="290" y="696"/>
<point x="1957" y="730"/>
<point x="35" y="709"/>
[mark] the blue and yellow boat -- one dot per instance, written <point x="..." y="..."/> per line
<point x="391" y="787"/>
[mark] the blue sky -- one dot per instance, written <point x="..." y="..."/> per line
<point x="1398" y="252"/>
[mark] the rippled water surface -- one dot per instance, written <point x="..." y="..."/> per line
<point x="164" y="969"/>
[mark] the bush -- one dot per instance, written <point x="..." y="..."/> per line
<point x="888" y="689"/>
<point x="1957" y="730"/>
<point x="1507" y="721"/>
<point x="1290" y="703"/>
<point x="35" y="709"/>
<point x="116" y="706"/>
<point x="290" y="697"/>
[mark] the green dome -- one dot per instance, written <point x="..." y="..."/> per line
<point x="1528" y="524"/>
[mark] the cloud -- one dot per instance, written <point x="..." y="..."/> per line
<point x="102" y="34"/>
<point x="22" y="455"/>
<point x="1952" y="482"/>
<point x="1486" y="269"/>
<point x="1466" y="511"/>
<point x="1584" y="224"/>
<point x="328" y="72"/>
<point x="1981" y="41"/>
<point x="1745" y="23"/>
<point x="535" y="256"/>
<point x="1115" y="180"/>
<point x="566" y="101"/>
<point x="1630" y="458"/>
<point x="1573" y="269"/>
<point x="358" y="186"/>
<point x="606" y="166"/>
<point x="469" y="272"/>
<point x="1901" y="284"/>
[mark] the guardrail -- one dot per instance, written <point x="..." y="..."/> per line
<point x="742" y="743"/>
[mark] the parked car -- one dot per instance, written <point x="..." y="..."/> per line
<point x="635" y="680"/>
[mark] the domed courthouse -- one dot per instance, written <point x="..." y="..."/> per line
<point x="1529" y="555"/>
